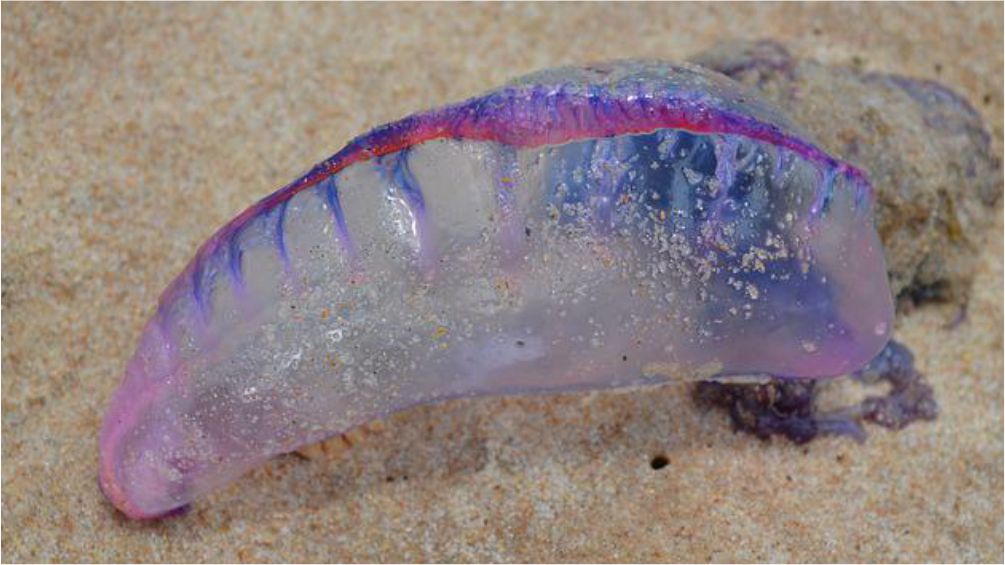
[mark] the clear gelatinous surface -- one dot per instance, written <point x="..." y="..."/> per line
<point x="581" y="228"/>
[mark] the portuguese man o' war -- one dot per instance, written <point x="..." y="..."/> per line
<point x="580" y="228"/>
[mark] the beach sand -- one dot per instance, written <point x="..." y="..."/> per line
<point x="132" y="132"/>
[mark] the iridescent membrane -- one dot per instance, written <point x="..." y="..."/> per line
<point x="663" y="225"/>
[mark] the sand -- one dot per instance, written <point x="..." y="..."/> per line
<point x="131" y="132"/>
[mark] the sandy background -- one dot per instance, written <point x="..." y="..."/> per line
<point x="130" y="133"/>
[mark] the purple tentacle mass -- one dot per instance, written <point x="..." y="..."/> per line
<point x="580" y="228"/>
